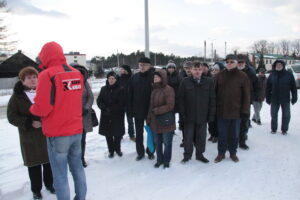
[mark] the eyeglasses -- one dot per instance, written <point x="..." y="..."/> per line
<point x="230" y="62"/>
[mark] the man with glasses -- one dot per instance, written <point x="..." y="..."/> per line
<point x="233" y="102"/>
<point x="140" y="88"/>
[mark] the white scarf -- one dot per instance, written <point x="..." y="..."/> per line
<point x="30" y="94"/>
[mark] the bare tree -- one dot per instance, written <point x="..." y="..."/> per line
<point x="296" y="47"/>
<point x="260" y="46"/>
<point x="285" y="47"/>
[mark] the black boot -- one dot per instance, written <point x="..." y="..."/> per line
<point x="202" y="159"/>
<point x="51" y="189"/>
<point x="244" y="146"/>
<point x="37" y="195"/>
<point x="111" y="154"/>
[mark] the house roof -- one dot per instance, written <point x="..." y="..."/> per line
<point x="275" y="56"/>
<point x="11" y="66"/>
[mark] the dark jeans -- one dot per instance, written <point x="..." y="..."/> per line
<point x="194" y="134"/>
<point x="83" y="143"/>
<point x="228" y="138"/>
<point x="213" y="128"/>
<point x="139" y="141"/>
<point x="244" y="128"/>
<point x="286" y="116"/>
<point x="113" y="143"/>
<point x="130" y="125"/>
<point x="163" y="154"/>
<point x="36" y="177"/>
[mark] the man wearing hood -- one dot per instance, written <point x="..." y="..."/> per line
<point x="197" y="106"/>
<point x="58" y="103"/>
<point x="124" y="79"/>
<point x="280" y="85"/>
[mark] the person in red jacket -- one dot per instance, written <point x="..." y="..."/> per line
<point x="58" y="102"/>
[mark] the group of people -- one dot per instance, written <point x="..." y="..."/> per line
<point x="52" y="111"/>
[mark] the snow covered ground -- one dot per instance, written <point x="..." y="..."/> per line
<point x="269" y="170"/>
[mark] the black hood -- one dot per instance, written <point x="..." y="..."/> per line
<point x="278" y="61"/>
<point x="19" y="89"/>
<point x="82" y="70"/>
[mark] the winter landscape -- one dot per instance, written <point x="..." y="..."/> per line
<point x="269" y="170"/>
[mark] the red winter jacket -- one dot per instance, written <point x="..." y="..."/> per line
<point x="58" y="98"/>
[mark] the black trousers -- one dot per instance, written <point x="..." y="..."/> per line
<point x="114" y="143"/>
<point x="36" y="174"/>
<point x="139" y="141"/>
<point x="213" y="128"/>
<point x="194" y="134"/>
<point x="83" y="143"/>
<point x="244" y="127"/>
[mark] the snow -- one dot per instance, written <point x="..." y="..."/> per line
<point x="269" y="170"/>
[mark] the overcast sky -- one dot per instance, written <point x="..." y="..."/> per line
<point x="100" y="27"/>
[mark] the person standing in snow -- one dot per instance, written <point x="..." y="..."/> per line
<point x="206" y="71"/>
<point x="58" y="102"/>
<point x="140" y="88"/>
<point x="112" y="106"/>
<point x="245" y="119"/>
<point x="173" y="81"/>
<point x="124" y="79"/>
<point x="197" y="106"/>
<point x="280" y="85"/>
<point x="233" y="103"/>
<point x="162" y="103"/>
<point x="87" y="103"/>
<point x="213" y="126"/>
<point x="260" y="95"/>
<point x="32" y="141"/>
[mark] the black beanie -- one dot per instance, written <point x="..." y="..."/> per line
<point x="111" y="73"/>
<point x="127" y="68"/>
<point x="145" y="60"/>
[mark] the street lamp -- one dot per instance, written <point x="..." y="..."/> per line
<point x="147" y="53"/>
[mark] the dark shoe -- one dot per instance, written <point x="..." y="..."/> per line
<point x="51" y="190"/>
<point x="185" y="160"/>
<point x="284" y="132"/>
<point x="254" y="120"/>
<point x="119" y="153"/>
<point x="132" y="139"/>
<point x="210" y="138"/>
<point x="219" y="158"/>
<point x="84" y="164"/>
<point x="234" y="158"/>
<point x="167" y="165"/>
<point x="273" y="132"/>
<point x="138" y="158"/>
<point x="182" y="144"/>
<point x="244" y="146"/>
<point x="151" y="156"/>
<point x="37" y="195"/>
<point x="157" y="165"/>
<point x="111" y="155"/>
<point x="258" y="122"/>
<point x="215" y="140"/>
<point x="202" y="159"/>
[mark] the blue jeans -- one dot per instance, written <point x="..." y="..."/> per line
<point x="286" y="116"/>
<point x="163" y="156"/>
<point x="228" y="138"/>
<point x="63" y="151"/>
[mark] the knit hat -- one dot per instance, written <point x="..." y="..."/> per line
<point x="127" y="68"/>
<point x="231" y="57"/>
<point x="218" y="65"/>
<point x="171" y="65"/>
<point x="145" y="60"/>
<point x="205" y="65"/>
<point x="111" y="73"/>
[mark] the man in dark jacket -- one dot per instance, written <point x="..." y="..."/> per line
<point x="206" y="71"/>
<point x="245" y="120"/>
<point x="280" y="85"/>
<point x="187" y="65"/>
<point x="197" y="106"/>
<point x="140" y="88"/>
<point x="124" y="79"/>
<point x="233" y="103"/>
<point x="260" y="95"/>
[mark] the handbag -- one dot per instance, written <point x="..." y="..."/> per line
<point x="165" y="119"/>
<point x="95" y="121"/>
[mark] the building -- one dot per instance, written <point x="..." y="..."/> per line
<point x="269" y="59"/>
<point x="76" y="57"/>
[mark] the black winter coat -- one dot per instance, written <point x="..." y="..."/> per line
<point x="124" y="81"/>
<point x="140" y="88"/>
<point x="260" y="95"/>
<point x="111" y="103"/>
<point x="197" y="102"/>
<point x="280" y="85"/>
<point x="174" y="81"/>
<point x="253" y="82"/>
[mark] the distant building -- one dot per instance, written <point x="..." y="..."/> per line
<point x="76" y="57"/>
<point x="269" y="59"/>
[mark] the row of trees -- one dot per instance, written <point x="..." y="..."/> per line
<point x="283" y="47"/>
<point x="115" y="60"/>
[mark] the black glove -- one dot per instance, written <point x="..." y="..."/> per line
<point x="294" y="100"/>
<point x="268" y="101"/>
<point x="245" y="116"/>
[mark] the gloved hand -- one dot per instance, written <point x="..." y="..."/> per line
<point x="294" y="100"/>
<point x="268" y="101"/>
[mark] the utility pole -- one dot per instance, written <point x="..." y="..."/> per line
<point x="147" y="53"/>
<point x="204" y="50"/>
<point x="118" y="58"/>
<point x="225" y="49"/>
<point x="212" y="51"/>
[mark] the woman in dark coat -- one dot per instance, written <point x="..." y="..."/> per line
<point x="162" y="101"/>
<point x="87" y="103"/>
<point x="32" y="141"/>
<point x="112" y="106"/>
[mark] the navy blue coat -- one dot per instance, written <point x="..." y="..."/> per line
<point x="280" y="86"/>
